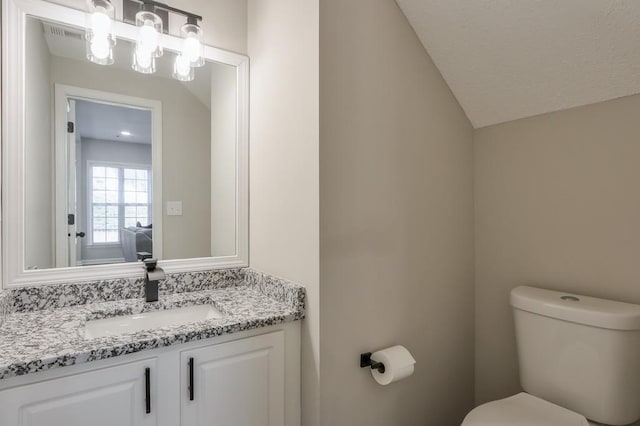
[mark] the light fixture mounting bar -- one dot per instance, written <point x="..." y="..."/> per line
<point x="191" y="17"/>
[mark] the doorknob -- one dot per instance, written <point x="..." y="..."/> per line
<point x="80" y="234"/>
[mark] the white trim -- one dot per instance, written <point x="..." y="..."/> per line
<point x="102" y="261"/>
<point x="13" y="155"/>
<point x="102" y="246"/>
<point x="71" y="256"/>
<point x="14" y="14"/>
<point x="60" y="171"/>
<point x="242" y="166"/>
<point x="62" y="93"/>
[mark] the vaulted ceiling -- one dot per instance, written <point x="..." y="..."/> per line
<point x="509" y="59"/>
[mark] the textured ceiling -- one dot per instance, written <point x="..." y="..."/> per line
<point x="509" y="59"/>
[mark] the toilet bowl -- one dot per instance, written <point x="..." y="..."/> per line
<point x="579" y="362"/>
<point x="523" y="410"/>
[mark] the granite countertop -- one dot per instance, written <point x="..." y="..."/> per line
<point x="33" y="339"/>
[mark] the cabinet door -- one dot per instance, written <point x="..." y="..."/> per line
<point x="107" y="397"/>
<point x="240" y="383"/>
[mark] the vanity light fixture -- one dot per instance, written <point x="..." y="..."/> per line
<point x="192" y="54"/>
<point x="148" y="47"/>
<point x="99" y="34"/>
<point x="192" y="46"/>
<point x="148" y="44"/>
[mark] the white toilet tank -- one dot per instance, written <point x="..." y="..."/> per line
<point x="579" y="352"/>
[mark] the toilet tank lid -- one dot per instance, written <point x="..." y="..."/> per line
<point x="586" y="310"/>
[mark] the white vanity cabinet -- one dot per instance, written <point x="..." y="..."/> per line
<point x="249" y="378"/>
<point x="105" y="397"/>
<point x="240" y="383"/>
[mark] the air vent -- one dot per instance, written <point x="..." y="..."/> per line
<point x="61" y="32"/>
<point x="55" y="31"/>
<point x="73" y="34"/>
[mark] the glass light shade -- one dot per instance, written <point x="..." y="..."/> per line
<point x="143" y="62"/>
<point x="149" y="33"/>
<point x="99" y="32"/>
<point x="192" y="46"/>
<point x="182" y="69"/>
<point x="100" y="51"/>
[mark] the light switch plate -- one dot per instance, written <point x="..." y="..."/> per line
<point x="174" y="208"/>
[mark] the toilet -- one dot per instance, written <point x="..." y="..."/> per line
<point x="579" y="363"/>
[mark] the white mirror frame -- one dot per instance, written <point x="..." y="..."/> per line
<point x="14" y="15"/>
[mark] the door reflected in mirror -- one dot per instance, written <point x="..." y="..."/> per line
<point x="121" y="166"/>
<point x="109" y="184"/>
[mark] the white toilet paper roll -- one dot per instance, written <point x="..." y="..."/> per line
<point x="398" y="364"/>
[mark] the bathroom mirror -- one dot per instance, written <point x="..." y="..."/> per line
<point x="104" y="166"/>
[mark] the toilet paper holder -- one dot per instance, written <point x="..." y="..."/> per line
<point x="366" y="361"/>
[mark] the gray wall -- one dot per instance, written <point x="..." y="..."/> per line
<point x="283" y="46"/>
<point x="186" y="148"/>
<point x="557" y="205"/>
<point x="396" y="222"/>
<point x="223" y="159"/>
<point x="39" y="211"/>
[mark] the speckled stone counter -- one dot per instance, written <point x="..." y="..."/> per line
<point x="44" y="326"/>
<point x="6" y="305"/>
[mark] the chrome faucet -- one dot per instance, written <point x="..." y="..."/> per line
<point x="152" y="276"/>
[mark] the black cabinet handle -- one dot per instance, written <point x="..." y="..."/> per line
<point x="191" y="390"/>
<point x="147" y="382"/>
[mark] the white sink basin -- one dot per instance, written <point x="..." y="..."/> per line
<point x="114" y="326"/>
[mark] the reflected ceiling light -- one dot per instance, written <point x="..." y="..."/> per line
<point x="125" y="133"/>
<point x="143" y="62"/>
<point x="99" y="33"/>
<point x="182" y="69"/>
